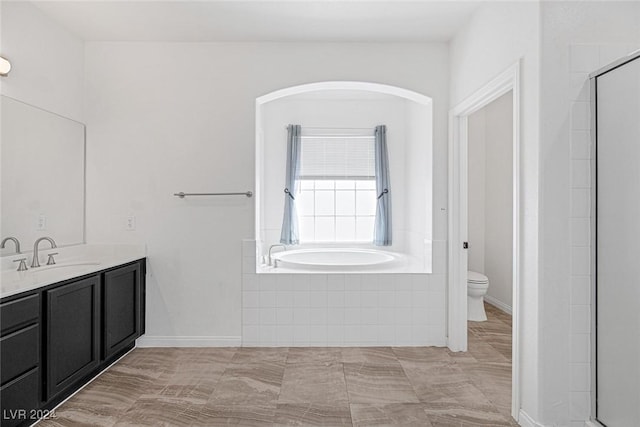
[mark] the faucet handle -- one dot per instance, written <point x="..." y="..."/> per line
<point x="50" y="259"/>
<point x="23" y="264"/>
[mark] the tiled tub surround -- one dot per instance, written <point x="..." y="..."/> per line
<point x="71" y="261"/>
<point x="342" y="309"/>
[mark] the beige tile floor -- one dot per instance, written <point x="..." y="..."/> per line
<point x="403" y="386"/>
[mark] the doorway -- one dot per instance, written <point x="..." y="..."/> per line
<point x="458" y="251"/>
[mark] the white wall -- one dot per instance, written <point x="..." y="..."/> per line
<point x="498" y="35"/>
<point x="47" y="61"/>
<point x="155" y="129"/>
<point x="420" y="186"/>
<point x="499" y="200"/>
<point x="491" y="197"/>
<point x="577" y="38"/>
<point x="476" y="164"/>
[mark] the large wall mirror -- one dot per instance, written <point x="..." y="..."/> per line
<point x="43" y="176"/>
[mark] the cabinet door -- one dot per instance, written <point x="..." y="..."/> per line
<point x="73" y="333"/>
<point x="122" y="308"/>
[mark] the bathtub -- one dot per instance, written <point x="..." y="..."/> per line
<point x="335" y="259"/>
<point x="341" y="296"/>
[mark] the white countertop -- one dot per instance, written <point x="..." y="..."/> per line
<point x="72" y="261"/>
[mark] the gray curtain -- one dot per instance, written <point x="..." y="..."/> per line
<point x="382" y="230"/>
<point x="289" y="234"/>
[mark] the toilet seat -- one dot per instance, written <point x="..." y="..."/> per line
<point x="477" y="278"/>
<point x="472" y="285"/>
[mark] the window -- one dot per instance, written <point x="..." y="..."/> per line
<point x="337" y="199"/>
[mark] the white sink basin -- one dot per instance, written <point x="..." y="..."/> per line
<point x="64" y="266"/>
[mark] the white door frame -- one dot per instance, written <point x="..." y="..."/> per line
<point x="509" y="80"/>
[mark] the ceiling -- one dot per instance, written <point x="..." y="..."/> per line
<point x="266" y="20"/>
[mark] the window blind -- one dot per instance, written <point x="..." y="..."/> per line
<point x="332" y="157"/>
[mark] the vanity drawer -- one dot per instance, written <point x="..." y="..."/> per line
<point x="20" y="312"/>
<point x="19" y="352"/>
<point x="19" y="399"/>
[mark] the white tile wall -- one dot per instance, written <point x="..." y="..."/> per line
<point x="580" y="348"/>
<point x="580" y="319"/>
<point x="579" y="405"/>
<point x="580" y="174"/>
<point x="342" y="309"/>
<point x="580" y="290"/>
<point x="580" y="116"/>
<point x="580" y="232"/>
<point x="580" y="377"/>
<point x="581" y="142"/>
<point x="578" y="90"/>
<point x="583" y="60"/>
<point x="580" y="203"/>
<point x="580" y="261"/>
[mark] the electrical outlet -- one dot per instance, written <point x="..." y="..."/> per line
<point x="42" y="223"/>
<point x="130" y="223"/>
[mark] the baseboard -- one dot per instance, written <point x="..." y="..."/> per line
<point x="498" y="304"/>
<point x="202" y="341"/>
<point x="526" y="421"/>
<point x="592" y="423"/>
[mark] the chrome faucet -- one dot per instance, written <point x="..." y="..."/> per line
<point x="36" y="263"/>
<point x="274" y="246"/>
<point x="14" y="240"/>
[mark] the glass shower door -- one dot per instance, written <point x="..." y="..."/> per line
<point x="617" y="251"/>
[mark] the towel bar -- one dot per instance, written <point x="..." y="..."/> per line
<point x="183" y="195"/>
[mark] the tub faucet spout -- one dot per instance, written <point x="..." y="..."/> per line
<point x="270" y="248"/>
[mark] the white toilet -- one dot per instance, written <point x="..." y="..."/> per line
<point x="477" y="286"/>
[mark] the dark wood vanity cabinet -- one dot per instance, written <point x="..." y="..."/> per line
<point x="53" y="340"/>
<point x="19" y="359"/>
<point x="122" y="313"/>
<point x="73" y="333"/>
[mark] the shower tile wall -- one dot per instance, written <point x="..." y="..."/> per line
<point x="582" y="59"/>
<point x="342" y="309"/>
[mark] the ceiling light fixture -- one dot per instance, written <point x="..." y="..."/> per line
<point x="5" y="66"/>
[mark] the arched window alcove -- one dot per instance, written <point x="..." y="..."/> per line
<point x="353" y="109"/>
